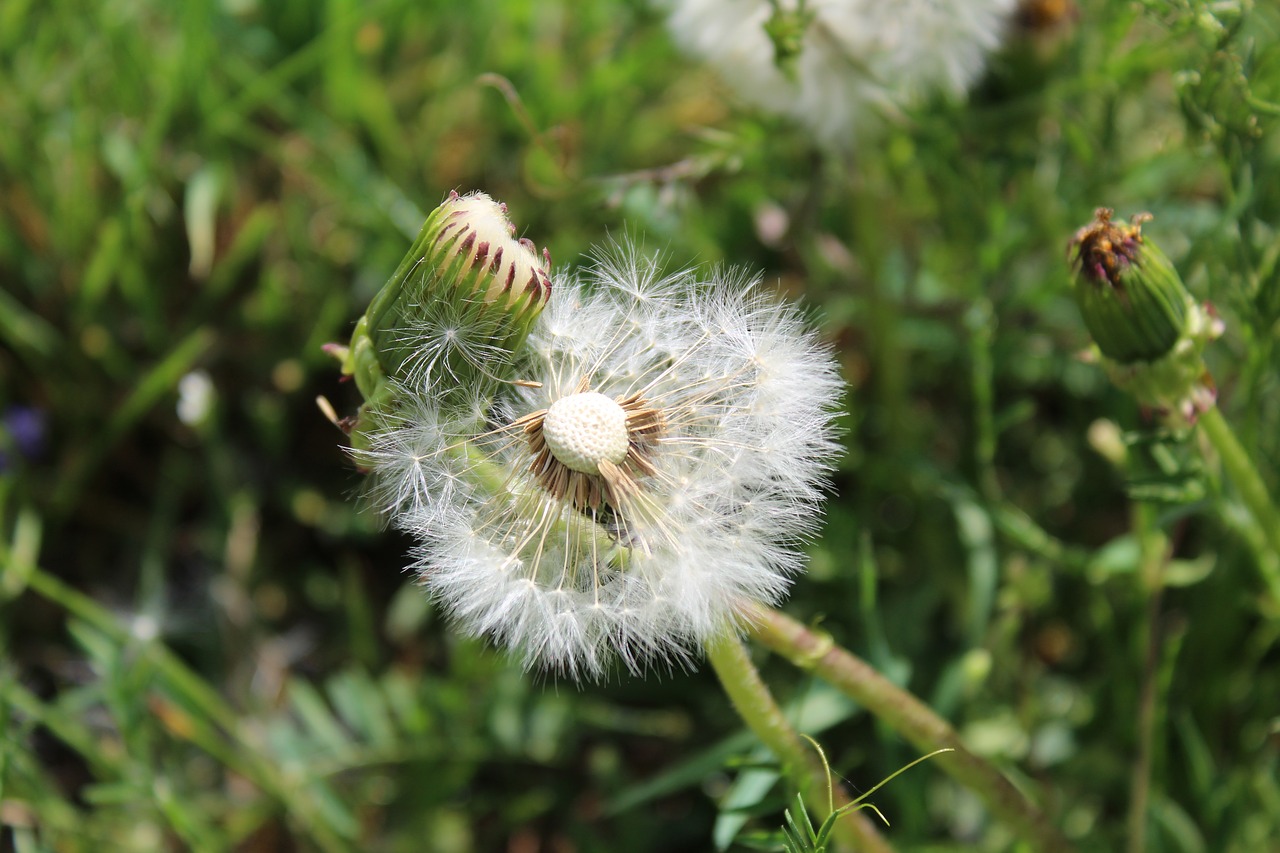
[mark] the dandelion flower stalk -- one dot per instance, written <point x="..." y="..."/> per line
<point x="1248" y="482"/>
<point x="908" y="716"/>
<point x="755" y="704"/>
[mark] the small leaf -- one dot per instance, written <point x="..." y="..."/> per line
<point x="1189" y="572"/>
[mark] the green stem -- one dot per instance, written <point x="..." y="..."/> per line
<point x="1151" y="571"/>
<point x="1253" y="491"/>
<point x="1023" y="531"/>
<point x="755" y="704"/>
<point x="909" y="717"/>
<point x="980" y="320"/>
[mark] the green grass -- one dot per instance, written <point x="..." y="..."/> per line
<point x="208" y="644"/>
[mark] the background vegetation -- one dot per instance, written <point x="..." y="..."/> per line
<point x="208" y="645"/>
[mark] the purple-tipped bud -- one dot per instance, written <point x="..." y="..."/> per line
<point x="1129" y="294"/>
<point x="1149" y="330"/>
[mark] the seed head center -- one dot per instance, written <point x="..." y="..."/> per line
<point x="583" y="430"/>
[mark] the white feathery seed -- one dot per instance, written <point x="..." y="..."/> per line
<point x="573" y="544"/>
<point x="859" y="62"/>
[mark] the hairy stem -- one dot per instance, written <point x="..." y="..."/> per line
<point x="755" y="704"/>
<point x="909" y="717"/>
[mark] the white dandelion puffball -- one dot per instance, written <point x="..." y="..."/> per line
<point x="858" y="60"/>
<point x="657" y="463"/>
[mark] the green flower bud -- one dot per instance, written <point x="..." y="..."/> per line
<point x="1150" y="332"/>
<point x="454" y="314"/>
<point x="466" y="293"/>
<point x="1130" y="296"/>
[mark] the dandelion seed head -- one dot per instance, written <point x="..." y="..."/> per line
<point x="858" y="61"/>
<point x="651" y="471"/>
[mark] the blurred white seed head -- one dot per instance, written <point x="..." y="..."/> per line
<point x="196" y="397"/>
<point x="844" y="65"/>
<point x="658" y="463"/>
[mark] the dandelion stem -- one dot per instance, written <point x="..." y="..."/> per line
<point x="755" y="704"/>
<point x="909" y="717"/>
<point x="1253" y="491"/>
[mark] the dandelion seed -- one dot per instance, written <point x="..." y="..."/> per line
<point x="657" y="463"/>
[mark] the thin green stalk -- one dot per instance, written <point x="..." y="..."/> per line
<point x="1151" y="571"/>
<point x="909" y="717"/>
<point x="980" y="320"/>
<point x="1253" y="491"/>
<point x="1023" y="531"/>
<point x="882" y="275"/>
<point x="755" y="704"/>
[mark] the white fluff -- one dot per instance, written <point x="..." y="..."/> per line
<point x="859" y="59"/>
<point x="748" y="394"/>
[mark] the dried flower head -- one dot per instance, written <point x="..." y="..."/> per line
<point x="656" y="462"/>
<point x="1129" y="294"/>
<point x="838" y="66"/>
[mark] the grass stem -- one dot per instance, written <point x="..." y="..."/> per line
<point x="244" y="755"/>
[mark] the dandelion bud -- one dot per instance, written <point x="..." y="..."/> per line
<point x="653" y="468"/>
<point x="1129" y="294"/>
<point x="453" y="316"/>
<point x="462" y="299"/>
<point x="1149" y="330"/>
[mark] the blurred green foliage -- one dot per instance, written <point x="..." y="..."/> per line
<point x="208" y="645"/>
